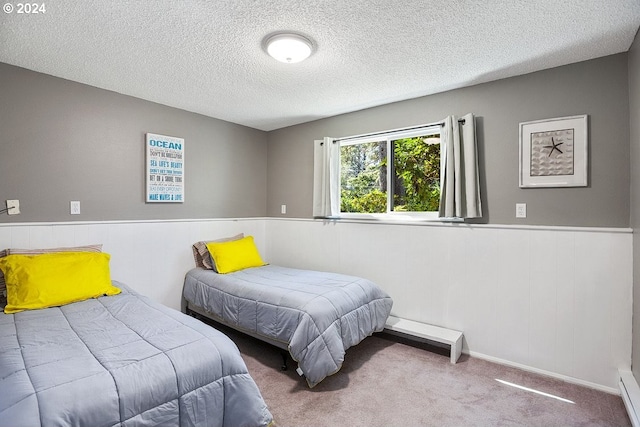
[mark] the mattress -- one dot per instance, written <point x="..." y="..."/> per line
<point x="316" y="315"/>
<point x="122" y="360"/>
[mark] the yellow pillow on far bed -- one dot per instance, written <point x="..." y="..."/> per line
<point x="49" y="280"/>
<point x="235" y="255"/>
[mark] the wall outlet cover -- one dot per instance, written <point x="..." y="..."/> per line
<point x="13" y="207"/>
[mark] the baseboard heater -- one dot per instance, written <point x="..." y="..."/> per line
<point x="630" y="392"/>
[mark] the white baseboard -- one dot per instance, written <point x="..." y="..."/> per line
<point x="572" y="380"/>
<point x="630" y="392"/>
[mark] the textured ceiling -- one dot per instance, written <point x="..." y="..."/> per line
<point x="207" y="56"/>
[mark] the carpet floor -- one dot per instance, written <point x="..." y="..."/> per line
<point x="387" y="381"/>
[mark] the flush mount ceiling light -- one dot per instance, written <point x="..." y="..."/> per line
<point x="288" y="48"/>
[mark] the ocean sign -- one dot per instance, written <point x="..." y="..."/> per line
<point x="165" y="168"/>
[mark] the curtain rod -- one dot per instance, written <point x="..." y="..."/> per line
<point x="429" y="125"/>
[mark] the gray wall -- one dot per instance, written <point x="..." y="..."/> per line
<point x="63" y="141"/>
<point x="598" y="88"/>
<point x="634" y="119"/>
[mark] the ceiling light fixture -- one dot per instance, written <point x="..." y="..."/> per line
<point x="288" y="48"/>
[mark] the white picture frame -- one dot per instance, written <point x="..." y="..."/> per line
<point x="554" y="152"/>
<point x="164" y="169"/>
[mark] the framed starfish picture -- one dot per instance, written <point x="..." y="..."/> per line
<point x="553" y="152"/>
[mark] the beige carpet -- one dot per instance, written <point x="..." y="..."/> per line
<point x="385" y="382"/>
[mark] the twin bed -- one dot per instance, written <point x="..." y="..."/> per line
<point x="124" y="360"/>
<point x="315" y="316"/>
<point x="72" y="356"/>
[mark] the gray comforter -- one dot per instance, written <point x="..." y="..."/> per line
<point x="317" y="314"/>
<point x="122" y="361"/>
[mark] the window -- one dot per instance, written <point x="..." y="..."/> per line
<point x="395" y="173"/>
<point x="400" y="173"/>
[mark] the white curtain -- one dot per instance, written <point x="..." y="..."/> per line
<point x="326" y="178"/>
<point x="459" y="183"/>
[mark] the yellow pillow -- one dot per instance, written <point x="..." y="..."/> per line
<point x="235" y="255"/>
<point x="49" y="280"/>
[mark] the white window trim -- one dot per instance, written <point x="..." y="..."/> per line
<point x="399" y="217"/>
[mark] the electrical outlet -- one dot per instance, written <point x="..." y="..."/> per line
<point x="13" y="207"/>
<point x="521" y="210"/>
<point x="283" y="209"/>
<point x="75" y="207"/>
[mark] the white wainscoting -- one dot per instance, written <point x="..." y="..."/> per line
<point x="150" y="256"/>
<point x="549" y="299"/>
<point x="552" y="300"/>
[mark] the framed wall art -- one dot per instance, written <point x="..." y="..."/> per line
<point x="165" y="169"/>
<point x="553" y="152"/>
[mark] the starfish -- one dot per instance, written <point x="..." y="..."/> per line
<point x="554" y="146"/>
